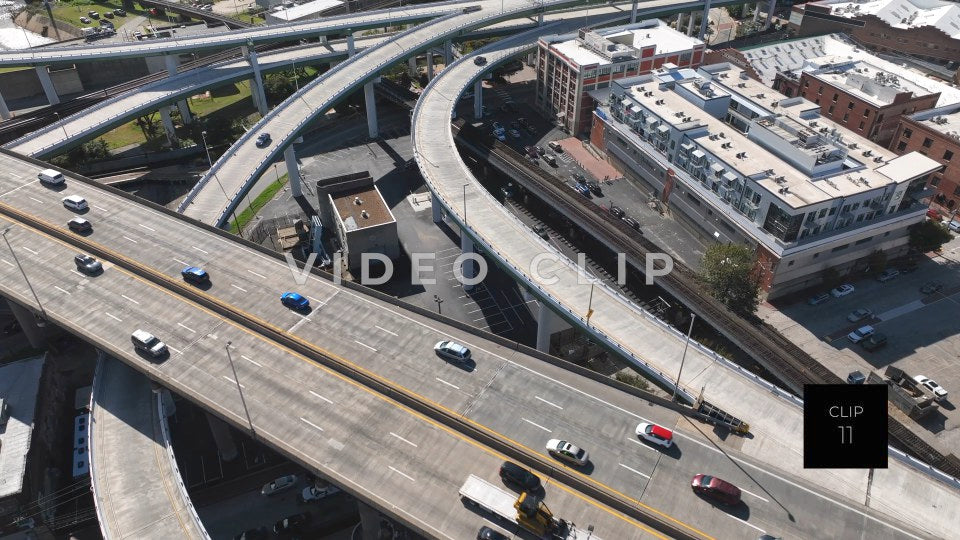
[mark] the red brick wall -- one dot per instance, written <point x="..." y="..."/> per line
<point x="597" y="133"/>
<point x="946" y="181"/>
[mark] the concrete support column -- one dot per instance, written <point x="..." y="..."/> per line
<point x="429" y="64"/>
<point x="437" y="208"/>
<point x="369" y="522"/>
<point x="293" y="171"/>
<point x="705" y="21"/>
<point x="4" y="110"/>
<point x="351" y="49"/>
<point x="47" y="85"/>
<point x="256" y="88"/>
<point x="222" y="437"/>
<point x="447" y="53"/>
<point x="323" y="40"/>
<point x="478" y="100"/>
<point x="540" y="18"/>
<point x="412" y="65"/>
<point x="690" y="19"/>
<point x="371" y="102"/>
<point x="469" y="266"/>
<point x="756" y="11"/>
<point x="36" y="335"/>
<point x="184" y="111"/>
<point x="168" y="125"/>
<point x="172" y="61"/>
<point x="633" y="12"/>
<point x="771" y="7"/>
<point x="546" y="320"/>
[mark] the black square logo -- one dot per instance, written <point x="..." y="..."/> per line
<point x="845" y="426"/>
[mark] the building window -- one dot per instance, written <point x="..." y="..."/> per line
<point x="820" y="91"/>
<point x="846" y="116"/>
<point x="850" y="105"/>
<point x="840" y="248"/>
<point x="935" y="181"/>
<point x="866" y="113"/>
<point x="861" y="125"/>
<point x="901" y="146"/>
<point x="835" y="96"/>
<point x="907" y="133"/>
<point x="822" y="213"/>
<point x="947" y="155"/>
<point x="830" y="110"/>
<point x="864" y="240"/>
<point x="956" y="190"/>
<point x="927" y="141"/>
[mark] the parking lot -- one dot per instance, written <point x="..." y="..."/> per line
<point x="921" y="330"/>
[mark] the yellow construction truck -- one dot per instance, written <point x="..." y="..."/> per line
<point x="527" y="510"/>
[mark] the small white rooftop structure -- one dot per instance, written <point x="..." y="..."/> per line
<point x="306" y="10"/>
<point x="19" y="386"/>
<point x="903" y="13"/>
<point x="946" y="120"/>
<point x="842" y="63"/>
<point x="607" y="46"/>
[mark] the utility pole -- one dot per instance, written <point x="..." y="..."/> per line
<point x="693" y="317"/>
<point x="236" y="379"/>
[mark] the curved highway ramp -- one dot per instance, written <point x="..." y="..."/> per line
<point x="136" y="486"/>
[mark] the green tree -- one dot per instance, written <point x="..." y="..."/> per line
<point x="221" y="132"/>
<point x="877" y="262"/>
<point x="735" y="11"/>
<point x="279" y="86"/>
<point x="728" y="271"/>
<point x="929" y="236"/>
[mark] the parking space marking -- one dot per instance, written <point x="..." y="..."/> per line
<point x="321" y="397"/>
<point x="8" y="263"/>
<point x="411" y="443"/>
<point x="536" y="425"/>
<point x="631" y="469"/>
<point x="174" y="349"/>
<point x="451" y="385"/>
<point x="640" y="444"/>
<point x="233" y="381"/>
<point x="745" y="523"/>
<point x="248" y="359"/>
<point x="201" y="250"/>
<point x="311" y="424"/>
<point x="30" y="250"/>
<point x="407" y="476"/>
<point x="549" y="403"/>
<point x="102" y="209"/>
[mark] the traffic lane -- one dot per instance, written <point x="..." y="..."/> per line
<point x="205" y="373"/>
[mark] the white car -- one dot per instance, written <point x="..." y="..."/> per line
<point x="842" y="290"/>
<point x="565" y="451"/>
<point x="938" y="392"/>
<point x="280" y="484"/>
<point x="451" y="350"/>
<point x="859" y="315"/>
<point x="861" y="333"/>
<point x="655" y="434"/>
<point x="314" y="493"/>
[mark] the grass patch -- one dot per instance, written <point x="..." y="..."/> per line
<point x="70" y="12"/>
<point x="14" y="68"/>
<point x="266" y="196"/>
<point x="221" y="97"/>
<point x="633" y="380"/>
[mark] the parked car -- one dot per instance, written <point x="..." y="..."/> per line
<point x="314" y="493"/>
<point x="93" y="14"/>
<point x="79" y="225"/>
<point x="938" y="391"/>
<point x="508" y="190"/>
<point x="87" y="264"/>
<point x="120" y="12"/>
<point x="294" y="301"/>
<point x="550" y="159"/>
<point x="263" y="140"/>
<point x="931" y="287"/>
<point x="84" y="20"/>
<point x="874" y="342"/>
<point x="565" y="451"/>
<point x="842" y="290"/>
<point x="497" y="126"/>
<point x="818" y="299"/>
<point x="617" y="211"/>
<point x="531" y="151"/>
<point x="451" y="350"/>
<point x="195" y="275"/>
<point x="908" y="267"/>
<point x="514" y="474"/>
<point x="108" y="14"/>
<point x="859" y="315"/>
<point x="594" y="187"/>
<point x="887" y="275"/>
<point x="632" y="222"/>
<point x="279" y="485"/>
<point x="555" y="146"/>
<point x="716" y="489"/>
<point x="856" y="377"/>
<point x="860" y="333"/>
<point x="514" y="133"/>
<point x="253" y="534"/>
<point x="540" y="150"/>
<point x="291" y="523"/>
<point x="486" y="533"/>
<point x="500" y="135"/>
<point x="655" y="434"/>
<point x="582" y="189"/>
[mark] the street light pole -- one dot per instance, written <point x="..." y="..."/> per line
<point x="240" y="390"/>
<point x="590" y="304"/>
<point x="439" y="301"/>
<point x="17" y="260"/>
<point x="465" y="204"/>
<point x="60" y="121"/>
<point x="203" y="135"/>
<point x="693" y="317"/>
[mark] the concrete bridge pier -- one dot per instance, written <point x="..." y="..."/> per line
<point x="705" y="21"/>
<point x="351" y="48"/>
<point x="690" y="19"/>
<point x="36" y="334"/>
<point x="548" y="322"/>
<point x="369" y="522"/>
<point x="293" y="171"/>
<point x="4" y="110"/>
<point x="429" y="64"/>
<point x="370" y="100"/>
<point x="447" y="53"/>
<point x="771" y="7"/>
<point x="43" y="72"/>
<point x="168" y="125"/>
<point x="478" y="100"/>
<point x="172" y="61"/>
<point x="256" y="86"/>
<point x="633" y="12"/>
<point x="469" y="268"/>
<point x="437" y="208"/>
<point x="412" y="66"/>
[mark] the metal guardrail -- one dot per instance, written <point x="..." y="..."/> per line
<point x="91" y="455"/>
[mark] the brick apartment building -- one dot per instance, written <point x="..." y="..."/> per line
<point x="570" y="66"/>
<point x="858" y="96"/>
<point x="926" y="29"/>
<point x="936" y="134"/>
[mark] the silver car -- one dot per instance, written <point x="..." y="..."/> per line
<point x="279" y="485"/>
<point x="451" y="350"/>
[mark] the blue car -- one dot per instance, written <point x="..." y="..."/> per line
<point x="294" y="301"/>
<point x="192" y="274"/>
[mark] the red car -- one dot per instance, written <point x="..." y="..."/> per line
<point x="716" y="489"/>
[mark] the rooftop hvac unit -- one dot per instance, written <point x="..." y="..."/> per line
<point x="867" y="153"/>
<point x="813" y="123"/>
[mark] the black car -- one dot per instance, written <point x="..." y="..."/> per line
<point x="617" y="211"/>
<point x="874" y="342"/>
<point x="480" y="61"/>
<point x="79" y="225"/>
<point x="291" y="523"/>
<point x="108" y="14"/>
<point x="595" y="188"/>
<point x="120" y="12"/>
<point x="511" y="473"/>
<point x="87" y="264"/>
<point x="632" y="222"/>
<point x="931" y="287"/>
<point x="263" y="140"/>
<point x="486" y="533"/>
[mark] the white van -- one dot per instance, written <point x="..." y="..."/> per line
<point x="52" y="177"/>
<point x="148" y="343"/>
<point x="75" y="203"/>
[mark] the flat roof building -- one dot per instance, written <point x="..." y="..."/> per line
<point x="745" y="164"/>
<point x="569" y="66"/>
<point x="288" y="12"/>
<point x="361" y="219"/>
<point x="936" y="134"/>
<point x="19" y="388"/>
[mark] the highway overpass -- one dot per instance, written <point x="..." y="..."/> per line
<point x="403" y="461"/>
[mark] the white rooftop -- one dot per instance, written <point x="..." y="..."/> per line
<point x="903" y="13"/>
<point x="597" y="46"/>
<point x="946" y="120"/>
<point x="304" y="10"/>
<point x="19" y="385"/>
<point x="835" y="53"/>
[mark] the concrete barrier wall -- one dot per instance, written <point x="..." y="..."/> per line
<point x="20" y="84"/>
